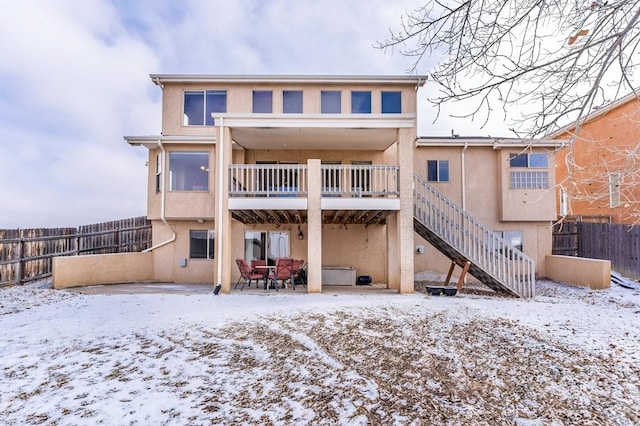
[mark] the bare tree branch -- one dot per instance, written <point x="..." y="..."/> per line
<point x="546" y="63"/>
<point x="571" y="52"/>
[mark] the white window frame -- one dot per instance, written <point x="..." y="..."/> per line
<point x="210" y="247"/>
<point x="439" y="164"/>
<point x="509" y="235"/>
<point x="158" y="173"/>
<point x="204" y="168"/>
<point x="204" y="107"/>
<point x="529" y="176"/>
<point x="614" y="190"/>
<point x="564" y="202"/>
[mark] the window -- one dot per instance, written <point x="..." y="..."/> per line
<point x="158" y="173"/>
<point x="188" y="171"/>
<point x="564" y="202"/>
<point x="438" y="170"/>
<point x="532" y="161"/>
<point x="361" y="102"/>
<point x="614" y="190"/>
<point x="330" y="102"/>
<point x="262" y="101"/>
<point x="391" y="102"/>
<point x="512" y="237"/>
<point x="201" y="244"/>
<point x="528" y="179"/>
<point x="292" y="101"/>
<point x="200" y="104"/>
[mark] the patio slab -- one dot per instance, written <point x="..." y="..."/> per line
<point x="185" y="288"/>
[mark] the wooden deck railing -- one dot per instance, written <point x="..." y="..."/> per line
<point x="291" y="180"/>
<point x="360" y="180"/>
<point x="268" y="180"/>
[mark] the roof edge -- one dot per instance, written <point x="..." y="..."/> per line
<point x="597" y="113"/>
<point x="495" y="142"/>
<point x="283" y="78"/>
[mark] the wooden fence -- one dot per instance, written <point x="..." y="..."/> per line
<point x="617" y="243"/>
<point x="27" y="254"/>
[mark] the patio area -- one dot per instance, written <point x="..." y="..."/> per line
<point x="186" y="289"/>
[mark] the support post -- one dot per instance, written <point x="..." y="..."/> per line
<point x="406" y="138"/>
<point x="314" y="227"/>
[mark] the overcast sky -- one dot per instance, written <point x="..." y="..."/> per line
<point x="74" y="78"/>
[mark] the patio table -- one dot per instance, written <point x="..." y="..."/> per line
<point x="270" y="269"/>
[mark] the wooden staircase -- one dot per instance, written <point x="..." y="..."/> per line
<point x="461" y="238"/>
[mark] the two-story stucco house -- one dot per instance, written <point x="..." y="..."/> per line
<point x="330" y="169"/>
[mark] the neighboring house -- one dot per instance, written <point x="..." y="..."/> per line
<point x="599" y="174"/>
<point x="330" y="169"/>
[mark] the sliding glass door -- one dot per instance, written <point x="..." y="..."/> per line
<point x="266" y="245"/>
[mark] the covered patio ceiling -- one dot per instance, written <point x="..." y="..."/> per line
<point x="314" y="138"/>
<point x="297" y="217"/>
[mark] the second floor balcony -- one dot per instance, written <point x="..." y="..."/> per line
<point x="286" y="187"/>
<point x="291" y="180"/>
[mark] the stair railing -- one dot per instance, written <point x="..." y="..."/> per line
<point x="477" y="243"/>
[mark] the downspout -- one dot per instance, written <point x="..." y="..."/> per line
<point x="162" y="205"/>
<point x="220" y="154"/>
<point x="464" y="182"/>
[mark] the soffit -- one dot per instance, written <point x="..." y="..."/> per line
<point x="312" y="139"/>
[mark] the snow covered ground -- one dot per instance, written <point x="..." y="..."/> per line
<point x="571" y="356"/>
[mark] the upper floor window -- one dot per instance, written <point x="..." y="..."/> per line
<point x="330" y="102"/>
<point x="188" y="171"/>
<point x="521" y="179"/>
<point x="360" y="102"/>
<point x="200" y="104"/>
<point x="529" y="160"/>
<point x="438" y="170"/>
<point x="292" y="101"/>
<point x="391" y="102"/>
<point x="262" y="101"/>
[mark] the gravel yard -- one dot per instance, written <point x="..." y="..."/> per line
<point x="570" y="356"/>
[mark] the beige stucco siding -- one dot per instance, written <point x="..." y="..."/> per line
<point x="116" y="268"/>
<point x="487" y="197"/>
<point x="592" y="273"/>
<point x="167" y="258"/>
<point x="240" y="96"/>
<point x="526" y="204"/>
<point x="301" y="157"/>
<point x="363" y="248"/>
<point x="181" y="204"/>
<point x="478" y="181"/>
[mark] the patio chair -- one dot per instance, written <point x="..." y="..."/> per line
<point x="282" y="271"/>
<point x="246" y="274"/>
<point x="298" y="273"/>
<point x="258" y="267"/>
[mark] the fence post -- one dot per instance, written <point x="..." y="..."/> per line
<point x="21" y="263"/>
<point x="117" y="239"/>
